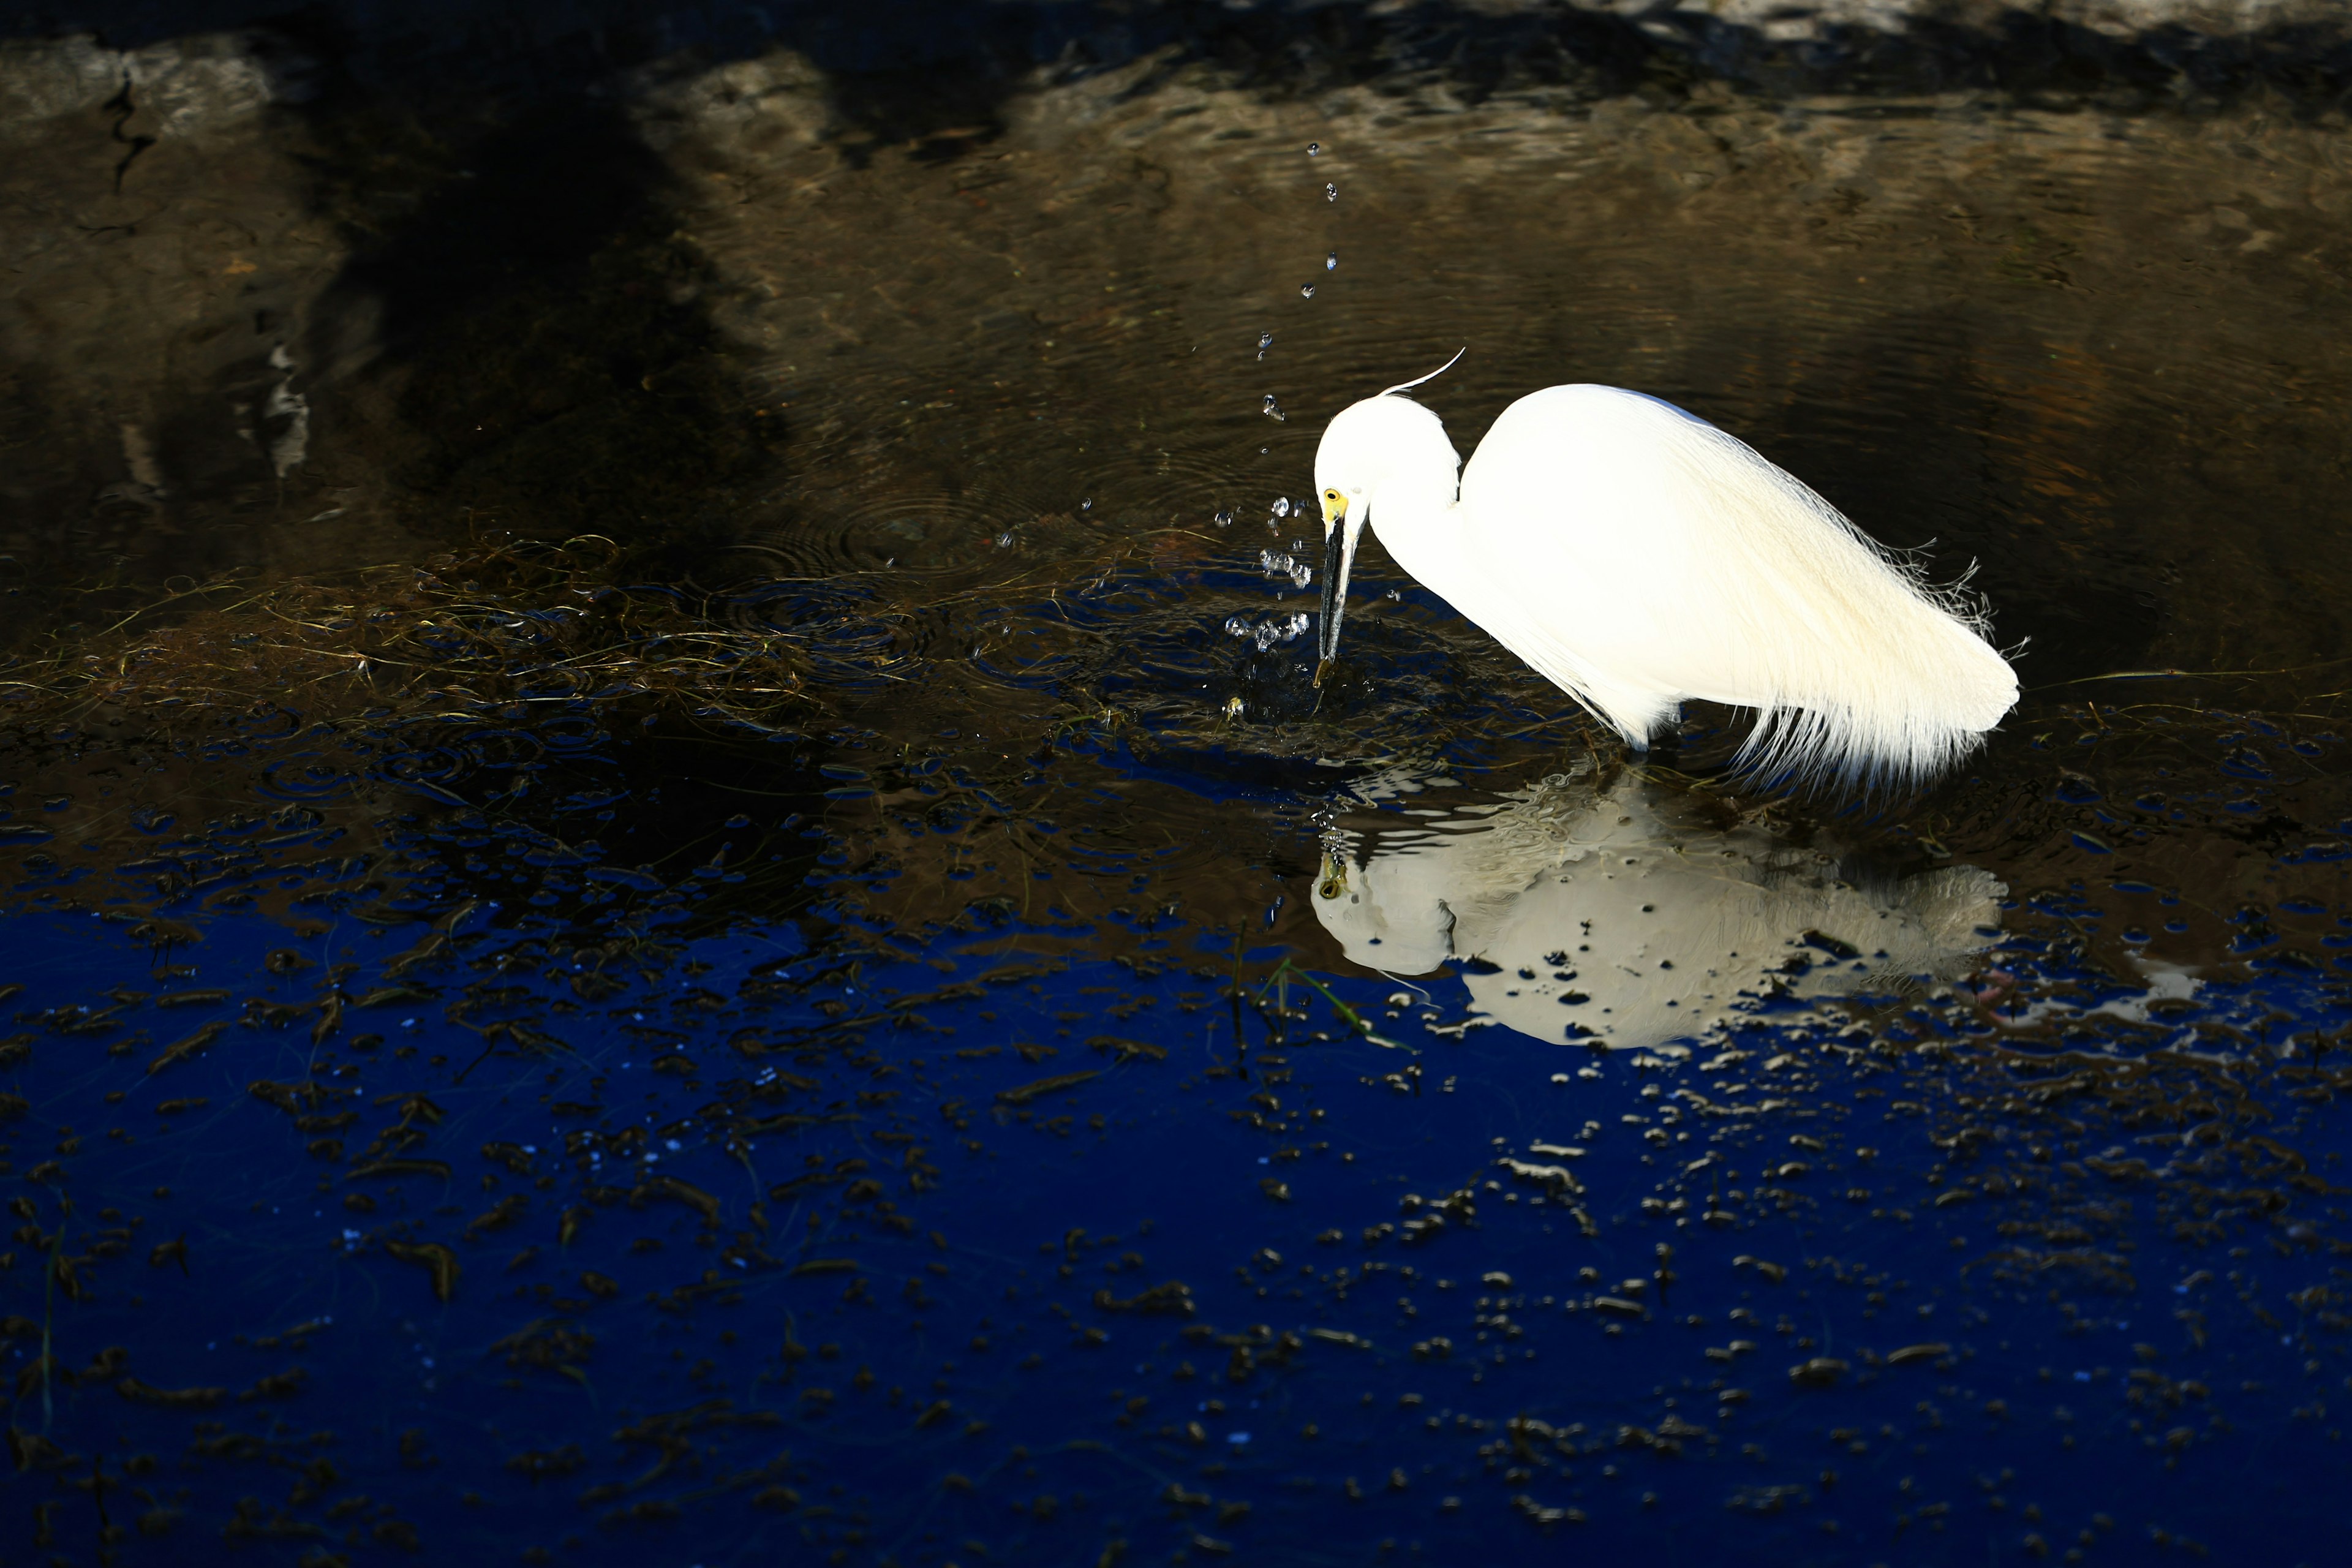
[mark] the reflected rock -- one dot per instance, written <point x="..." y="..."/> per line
<point x="1615" y="915"/>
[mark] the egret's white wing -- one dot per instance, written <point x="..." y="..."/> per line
<point x="1638" y="555"/>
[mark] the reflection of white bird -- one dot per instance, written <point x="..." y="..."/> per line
<point x="1612" y="921"/>
<point x="1637" y="556"/>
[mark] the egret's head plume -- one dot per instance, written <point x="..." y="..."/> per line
<point x="1432" y="376"/>
<point x="1386" y="447"/>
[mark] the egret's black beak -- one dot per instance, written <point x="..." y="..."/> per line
<point x="1338" y="560"/>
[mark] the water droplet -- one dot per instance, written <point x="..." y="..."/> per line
<point x="1265" y="340"/>
<point x="1237" y="626"/>
<point x="1330" y="192"/>
<point x="1313" y="148"/>
<point x="1276" y="562"/>
<point x="1087" y="504"/>
<point x="1273" y="410"/>
<point x="1004" y="542"/>
<point x="1330" y="261"/>
<point x="1282" y="503"/>
<point x="1308" y="292"/>
<point x="1224" y="519"/>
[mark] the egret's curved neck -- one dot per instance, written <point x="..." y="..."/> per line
<point x="1411" y="512"/>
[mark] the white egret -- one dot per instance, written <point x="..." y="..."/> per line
<point x="1636" y="556"/>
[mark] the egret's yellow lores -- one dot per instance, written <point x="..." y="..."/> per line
<point x="1636" y="556"/>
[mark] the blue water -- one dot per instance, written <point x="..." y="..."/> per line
<point x="803" y="1239"/>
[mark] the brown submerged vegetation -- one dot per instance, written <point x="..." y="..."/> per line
<point x="515" y="621"/>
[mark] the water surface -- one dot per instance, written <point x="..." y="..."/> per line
<point x="723" y="924"/>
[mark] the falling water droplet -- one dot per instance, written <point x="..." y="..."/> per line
<point x="1308" y="292"/>
<point x="1224" y="519"/>
<point x="1330" y="261"/>
<point x="1273" y="410"/>
<point x="1282" y="503"/>
<point x="1004" y="542"/>
<point x="1087" y="504"/>
<point x="1265" y="340"/>
<point x="1330" y="192"/>
<point x="1313" y="148"/>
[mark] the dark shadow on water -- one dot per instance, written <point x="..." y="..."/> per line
<point x="545" y="363"/>
<point x="1911" y="430"/>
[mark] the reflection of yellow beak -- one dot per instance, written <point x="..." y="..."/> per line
<point x="1332" y="880"/>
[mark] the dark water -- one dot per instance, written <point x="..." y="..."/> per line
<point x="675" y="895"/>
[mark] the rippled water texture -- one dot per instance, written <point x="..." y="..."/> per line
<point x="675" y="892"/>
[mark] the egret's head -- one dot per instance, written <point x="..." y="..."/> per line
<point x="1383" y="446"/>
